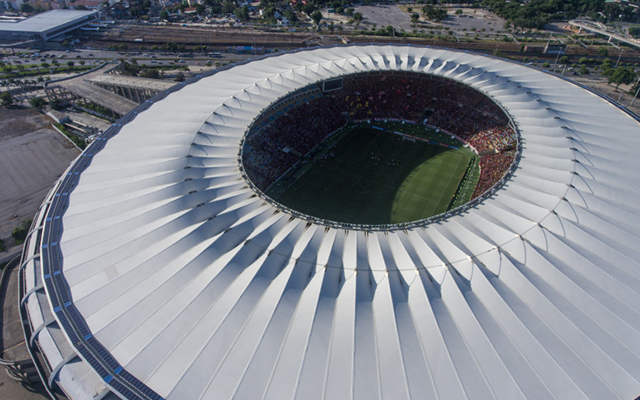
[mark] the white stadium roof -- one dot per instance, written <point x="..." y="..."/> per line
<point x="172" y="279"/>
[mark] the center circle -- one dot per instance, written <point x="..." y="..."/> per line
<point x="379" y="148"/>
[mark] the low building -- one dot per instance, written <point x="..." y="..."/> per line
<point x="533" y="49"/>
<point x="555" y="49"/>
<point x="45" y="26"/>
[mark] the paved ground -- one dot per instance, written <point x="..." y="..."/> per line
<point x="12" y="345"/>
<point x="384" y="15"/>
<point x="83" y="88"/>
<point x="32" y="157"/>
<point x="86" y="119"/>
<point x="13" y="390"/>
<point x="474" y="19"/>
<point x="400" y="18"/>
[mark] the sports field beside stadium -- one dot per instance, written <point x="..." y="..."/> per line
<point x="370" y="176"/>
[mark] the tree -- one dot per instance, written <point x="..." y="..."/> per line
<point x="20" y="233"/>
<point x="622" y="75"/>
<point x="564" y="60"/>
<point x="415" y="17"/>
<point x="242" y="14"/>
<point x="70" y="63"/>
<point x="458" y="12"/>
<point x="37" y="102"/>
<point x="26" y="8"/>
<point x="433" y="13"/>
<point x="150" y="73"/>
<point x="309" y="8"/>
<point x="391" y="31"/>
<point x="180" y="77"/>
<point x="603" y="52"/>
<point x="358" y="18"/>
<point x="291" y="16"/>
<point x="82" y="62"/>
<point x="6" y="99"/>
<point x="316" y="17"/>
<point x="164" y="14"/>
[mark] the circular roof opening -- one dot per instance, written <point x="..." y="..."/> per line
<point x="379" y="148"/>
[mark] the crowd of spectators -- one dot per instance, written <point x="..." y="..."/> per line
<point x="420" y="98"/>
<point x="493" y="140"/>
<point x="279" y="146"/>
<point x="492" y="168"/>
<point x="405" y="96"/>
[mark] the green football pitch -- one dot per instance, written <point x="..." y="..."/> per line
<point x="367" y="176"/>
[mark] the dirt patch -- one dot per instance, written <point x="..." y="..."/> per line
<point x="16" y="122"/>
<point x="32" y="156"/>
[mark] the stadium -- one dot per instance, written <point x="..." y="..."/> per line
<point x="172" y="261"/>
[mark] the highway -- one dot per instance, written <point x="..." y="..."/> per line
<point x="601" y="29"/>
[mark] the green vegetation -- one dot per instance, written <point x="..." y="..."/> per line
<point x="538" y="13"/>
<point x="74" y="138"/>
<point x="243" y="13"/>
<point x="620" y="75"/>
<point x="147" y="71"/>
<point x="19" y="233"/>
<point x="434" y="13"/>
<point x="36" y="70"/>
<point x="100" y="110"/>
<point x="468" y="185"/>
<point x="37" y="102"/>
<point x="2" y="248"/>
<point x="316" y="16"/>
<point x="6" y="99"/>
<point x="371" y="176"/>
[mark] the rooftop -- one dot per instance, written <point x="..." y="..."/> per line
<point x="44" y="21"/>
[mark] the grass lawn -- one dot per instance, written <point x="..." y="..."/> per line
<point x="368" y="176"/>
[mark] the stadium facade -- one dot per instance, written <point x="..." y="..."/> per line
<point x="155" y="270"/>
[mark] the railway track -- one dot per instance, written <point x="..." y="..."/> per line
<point x="149" y="35"/>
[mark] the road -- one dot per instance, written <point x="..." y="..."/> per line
<point x="601" y="29"/>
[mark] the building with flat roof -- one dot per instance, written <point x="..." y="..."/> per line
<point x="45" y="26"/>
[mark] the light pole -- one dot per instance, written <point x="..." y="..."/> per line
<point x="619" y="55"/>
<point x="638" y="90"/>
